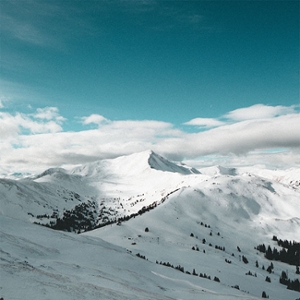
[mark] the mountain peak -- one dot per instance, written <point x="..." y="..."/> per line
<point x="50" y="171"/>
<point x="160" y="163"/>
<point x="139" y="162"/>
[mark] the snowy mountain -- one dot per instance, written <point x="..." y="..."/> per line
<point x="150" y="229"/>
<point x="106" y="190"/>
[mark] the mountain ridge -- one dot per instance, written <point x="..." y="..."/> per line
<point x="159" y="220"/>
<point x="125" y="184"/>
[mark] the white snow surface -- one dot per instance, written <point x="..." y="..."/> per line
<point x="240" y="207"/>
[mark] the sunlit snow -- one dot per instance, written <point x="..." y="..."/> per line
<point x="232" y="209"/>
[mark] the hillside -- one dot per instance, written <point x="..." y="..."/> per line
<point x="151" y="218"/>
<point x="228" y="212"/>
<point x="103" y="191"/>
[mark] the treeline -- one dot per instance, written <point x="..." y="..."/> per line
<point x="289" y="253"/>
<point x="140" y="212"/>
<point x="84" y="216"/>
<point x="81" y="218"/>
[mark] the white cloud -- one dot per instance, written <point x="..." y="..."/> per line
<point x="110" y="140"/>
<point x="94" y="119"/>
<point x="49" y="113"/>
<point x="12" y="125"/>
<point x="259" y="111"/>
<point x="8" y="126"/>
<point x="240" y="138"/>
<point x="52" y="147"/>
<point x="283" y="160"/>
<point x="205" y="122"/>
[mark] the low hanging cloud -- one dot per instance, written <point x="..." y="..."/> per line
<point x="245" y="136"/>
<point x="37" y="141"/>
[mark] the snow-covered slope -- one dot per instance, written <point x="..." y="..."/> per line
<point x="133" y="164"/>
<point x="39" y="263"/>
<point x="30" y="200"/>
<point x="290" y="177"/>
<point x="157" y="162"/>
<point x="104" y="191"/>
<point x="158" y="210"/>
<point x="217" y="218"/>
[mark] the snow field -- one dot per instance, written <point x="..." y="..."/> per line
<point x="228" y="207"/>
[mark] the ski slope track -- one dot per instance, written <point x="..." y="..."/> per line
<point x="143" y="227"/>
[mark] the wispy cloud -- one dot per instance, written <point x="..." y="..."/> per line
<point x="37" y="140"/>
<point x="44" y="23"/>
<point x="24" y="32"/>
<point x="25" y="21"/>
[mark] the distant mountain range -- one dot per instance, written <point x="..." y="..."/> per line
<point x="168" y="224"/>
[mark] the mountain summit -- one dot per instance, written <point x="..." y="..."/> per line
<point x="133" y="164"/>
<point x="157" y="162"/>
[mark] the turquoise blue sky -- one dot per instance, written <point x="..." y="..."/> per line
<point x="172" y="68"/>
<point x="156" y="60"/>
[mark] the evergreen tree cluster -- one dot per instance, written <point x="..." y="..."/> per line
<point x="141" y="256"/>
<point x="264" y="295"/>
<point x="289" y="253"/>
<point x="251" y="274"/>
<point x="205" y="225"/>
<point x="220" y="248"/>
<point x="167" y="264"/>
<point x="194" y="273"/>
<point x="268" y="279"/>
<point x="291" y="284"/>
<point x="81" y="218"/>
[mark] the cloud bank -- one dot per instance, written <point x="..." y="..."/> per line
<point x="36" y="141"/>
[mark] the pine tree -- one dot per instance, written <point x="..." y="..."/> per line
<point x="245" y="260"/>
<point x="269" y="253"/>
<point x="284" y="278"/>
<point x="264" y="295"/>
